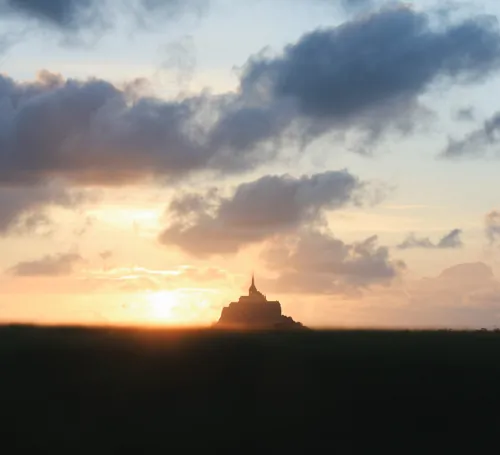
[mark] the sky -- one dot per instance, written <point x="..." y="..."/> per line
<point x="153" y="154"/>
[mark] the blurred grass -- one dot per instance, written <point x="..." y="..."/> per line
<point x="116" y="390"/>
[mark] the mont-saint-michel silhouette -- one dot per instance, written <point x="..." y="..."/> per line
<point x="254" y="311"/>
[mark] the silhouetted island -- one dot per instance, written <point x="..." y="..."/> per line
<point x="254" y="311"/>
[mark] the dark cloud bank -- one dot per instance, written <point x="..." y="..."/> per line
<point x="369" y="73"/>
<point x="347" y="77"/>
<point x="67" y="14"/>
<point x="365" y="76"/>
<point x="75" y="15"/>
<point x="78" y="15"/>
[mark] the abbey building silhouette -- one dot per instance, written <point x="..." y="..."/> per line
<point x="255" y="311"/>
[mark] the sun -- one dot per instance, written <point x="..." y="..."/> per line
<point x="179" y="307"/>
<point x="162" y="305"/>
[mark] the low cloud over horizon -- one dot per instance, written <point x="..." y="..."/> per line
<point x="316" y="262"/>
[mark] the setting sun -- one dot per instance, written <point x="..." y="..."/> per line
<point x="163" y="305"/>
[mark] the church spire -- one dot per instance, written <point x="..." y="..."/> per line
<point x="253" y="288"/>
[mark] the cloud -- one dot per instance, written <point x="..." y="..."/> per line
<point x="475" y="273"/>
<point x="202" y="275"/>
<point x="78" y="15"/>
<point x="23" y="209"/>
<point x="85" y="227"/>
<point x="178" y="60"/>
<point x="105" y="255"/>
<point x="450" y="240"/>
<point x="51" y="265"/>
<point x="465" y="114"/>
<point x="148" y="13"/>
<point x="93" y="133"/>
<point x="357" y="5"/>
<point x="67" y="14"/>
<point x="135" y="279"/>
<point x="275" y="204"/>
<point x="477" y="143"/>
<point x="462" y="296"/>
<point x="318" y="263"/>
<point x="492" y="226"/>
<point x="89" y="132"/>
<point x="368" y="74"/>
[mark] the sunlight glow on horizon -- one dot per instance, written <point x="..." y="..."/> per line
<point x="178" y="308"/>
<point x="162" y="305"/>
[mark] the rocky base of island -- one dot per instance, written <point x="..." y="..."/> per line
<point x="287" y="323"/>
<point x="261" y="316"/>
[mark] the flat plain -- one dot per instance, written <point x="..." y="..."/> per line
<point x="106" y="390"/>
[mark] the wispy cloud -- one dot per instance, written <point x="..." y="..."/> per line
<point x="492" y="226"/>
<point x="405" y="206"/>
<point x="50" y="265"/>
<point x="448" y="241"/>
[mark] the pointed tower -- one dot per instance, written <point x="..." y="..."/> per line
<point x="252" y="290"/>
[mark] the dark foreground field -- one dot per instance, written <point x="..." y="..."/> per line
<point x="130" y="391"/>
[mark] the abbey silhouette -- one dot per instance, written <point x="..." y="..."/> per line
<point x="255" y="311"/>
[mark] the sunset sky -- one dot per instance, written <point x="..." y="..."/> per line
<point x="154" y="153"/>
